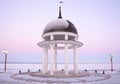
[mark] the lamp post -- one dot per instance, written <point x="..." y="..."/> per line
<point x="5" y="53"/>
<point x="111" y="61"/>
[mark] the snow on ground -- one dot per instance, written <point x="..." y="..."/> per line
<point x="6" y="79"/>
<point x="94" y="78"/>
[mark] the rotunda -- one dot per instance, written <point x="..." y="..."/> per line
<point x="57" y="33"/>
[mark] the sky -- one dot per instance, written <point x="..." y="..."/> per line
<point x="97" y="21"/>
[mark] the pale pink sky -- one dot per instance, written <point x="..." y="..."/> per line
<point x="23" y="21"/>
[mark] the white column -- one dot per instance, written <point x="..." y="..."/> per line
<point x="75" y="60"/>
<point x="51" y="37"/>
<point x="66" y="36"/>
<point x="66" y="56"/>
<point x="52" y="56"/>
<point x="52" y="60"/>
<point x="45" y="60"/>
<point x="66" y="59"/>
<point x="55" y="59"/>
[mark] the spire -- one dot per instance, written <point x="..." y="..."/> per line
<point x="60" y="15"/>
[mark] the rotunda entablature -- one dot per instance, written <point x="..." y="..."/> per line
<point x="60" y="44"/>
<point x="60" y="36"/>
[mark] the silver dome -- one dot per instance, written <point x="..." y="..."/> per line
<point x="60" y="25"/>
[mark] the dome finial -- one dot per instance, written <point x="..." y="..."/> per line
<point x="60" y="15"/>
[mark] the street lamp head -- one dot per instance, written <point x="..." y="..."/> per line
<point x="111" y="55"/>
<point x="5" y="52"/>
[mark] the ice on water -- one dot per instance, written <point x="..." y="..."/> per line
<point x="14" y="68"/>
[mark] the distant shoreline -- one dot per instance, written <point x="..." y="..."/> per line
<point x="49" y="63"/>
